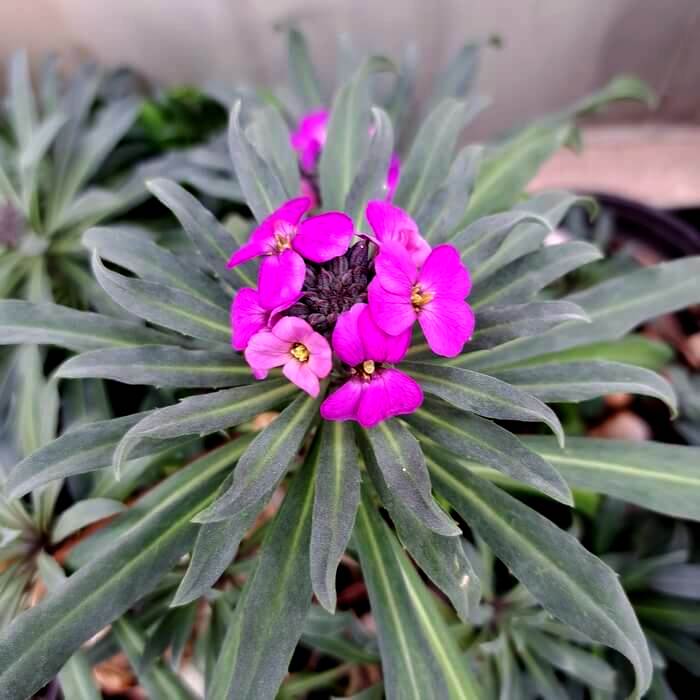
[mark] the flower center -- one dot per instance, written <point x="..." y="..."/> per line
<point x="368" y="367"/>
<point x="300" y="352"/>
<point x="419" y="298"/>
<point x="284" y="232"/>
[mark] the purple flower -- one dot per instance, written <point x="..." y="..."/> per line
<point x="303" y="354"/>
<point x="282" y="241"/>
<point x="375" y="391"/>
<point x="391" y="224"/>
<point x="248" y="316"/>
<point x="392" y="176"/>
<point x="434" y="295"/>
<point x="310" y="137"/>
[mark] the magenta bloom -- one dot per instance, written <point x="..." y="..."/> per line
<point x="303" y="354"/>
<point x="309" y="138"/>
<point x="248" y="316"/>
<point x="375" y="391"/>
<point x="434" y="295"/>
<point x="391" y="224"/>
<point x="392" y="176"/>
<point x="282" y="241"/>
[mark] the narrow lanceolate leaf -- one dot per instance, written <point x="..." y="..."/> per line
<point x="370" y="181"/>
<point x="348" y="136"/>
<point x="205" y="414"/>
<point x="335" y="506"/>
<point x="21" y="103"/>
<point x="84" y="513"/>
<point x="496" y="325"/>
<point x="479" y="241"/>
<point x="215" y="548"/>
<point x="81" y="450"/>
<point x="132" y="249"/>
<point x="482" y="394"/>
<point x="270" y="136"/>
<point x="209" y="237"/>
<point x="301" y="71"/>
<point x="266" y="460"/>
<point x="443" y="210"/>
<point x="580" y="381"/>
<point x="479" y="439"/>
<point x="521" y="279"/>
<point x="260" y="184"/>
<point x="661" y="477"/>
<point x="503" y="176"/>
<point x="161" y="366"/>
<point x="50" y="324"/>
<point x="157" y="679"/>
<point x="420" y="658"/>
<point x="614" y="307"/>
<point x="459" y="76"/>
<point x="173" y="630"/>
<point x="270" y="613"/>
<point x="165" y="305"/>
<point x="401" y="462"/>
<point x="39" y="642"/>
<point x="443" y="559"/>
<point x="433" y="150"/>
<point x="549" y="563"/>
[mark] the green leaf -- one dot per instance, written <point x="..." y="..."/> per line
<point x="205" y="414"/>
<point x="622" y="87"/>
<point x="161" y="366"/>
<point x="44" y="637"/>
<point x="420" y="658"/>
<point x="370" y="181"/>
<point x="614" y="307"/>
<point x="432" y="151"/>
<point x="457" y="79"/>
<point x="214" y="243"/>
<point x="165" y="305"/>
<point x="335" y="506"/>
<point x="549" y="563"/>
<point x="490" y="444"/>
<point x="504" y="174"/>
<point x="442" y="558"/>
<point x="660" y="477"/>
<point x="521" y="279"/>
<point x="132" y="249"/>
<point x="580" y="381"/>
<point x="400" y="460"/>
<point x="680" y="580"/>
<point x="348" y="135"/>
<point x="21" y="104"/>
<point x="482" y="394"/>
<point x="156" y="679"/>
<point x="269" y="135"/>
<point x="84" y="513"/>
<point x="275" y="601"/>
<point x="261" y="186"/>
<point x="50" y="324"/>
<point x="267" y="459"/>
<point x="301" y="71"/>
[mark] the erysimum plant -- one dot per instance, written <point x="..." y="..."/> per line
<point x="412" y="336"/>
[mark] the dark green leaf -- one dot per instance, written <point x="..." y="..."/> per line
<point x="84" y="513"/>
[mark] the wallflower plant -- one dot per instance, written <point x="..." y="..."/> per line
<point x="413" y="337"/>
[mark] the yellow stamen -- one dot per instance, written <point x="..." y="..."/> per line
<point x="368" y="367"/>
<point x="300" y="352"/>
<point x="284" y="232"/>
<point x="419" y="298"/>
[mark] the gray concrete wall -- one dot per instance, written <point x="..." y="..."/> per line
<point x="554" y="50"/>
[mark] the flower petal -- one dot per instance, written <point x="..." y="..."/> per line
<point x="247" y="317"/>
<point x="320" y="356"/>
<point x="324" y="237"/>
<point x="265" y="351"/>
<point x="396" y="271"/>
<point x="393" y="174"/>
<point x="378" y="345"/>
<point x="444" y="273"/>
<point x="250" y="250"/>
<point x="302" y="375"/>
<point x="392" y="224"/>
<point x="342" y="403"/>
<point x="393" y="313"/>
<point x="346" y="337"/>
<point x="309" y="137"/>
<point x="447" y="325"/>
<point x="292" y="329"/>
<point x="390" y="393"/>
<point x="280" y="279"/>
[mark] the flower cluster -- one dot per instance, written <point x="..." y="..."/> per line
<point x="334" y="301"/>
<point x="308" y="141"/>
